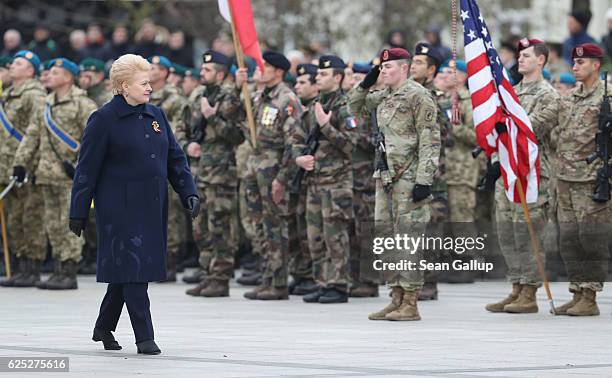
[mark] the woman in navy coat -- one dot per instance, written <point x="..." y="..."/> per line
<point x="128" y="152"/>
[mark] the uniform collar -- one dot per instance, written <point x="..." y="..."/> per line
<point x="18" y="91"/>
<point x="124" y="109"/>
<point x="72" y="94"/>
<point x="582" y="93"/>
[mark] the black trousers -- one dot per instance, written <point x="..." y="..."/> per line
<point x="135" y="296"/>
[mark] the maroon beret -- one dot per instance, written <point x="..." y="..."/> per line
<point x="526" y="43"/>
<point x="587" y="50"/>
<point x="395" y="53"/>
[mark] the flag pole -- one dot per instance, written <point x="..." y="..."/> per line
<point x="535" y="246"/>
<point x="245" y="89"/>
<point x="5" y="247"/>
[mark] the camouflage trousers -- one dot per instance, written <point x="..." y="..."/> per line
<point x="200" y="232"/>
<point x="513" y="234"/>
<point x="274" y="221"/>
<point x="66" y="245"/>
<point x="219" y="206"/>
<point x="176" y="222"/>
<point x="437" y="227"/>
<point x="585" y="230"/>
<point x="396" y="214"/>
<point x="361" y="258"/>
<point x="462" y="209"/>
<point x="329" y="211"/>
<point x="300" y="263"/>
<point x="251" y="208"/>
<point x="24" y="210"/>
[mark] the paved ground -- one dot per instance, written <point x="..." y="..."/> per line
<point x="234" y="337"/>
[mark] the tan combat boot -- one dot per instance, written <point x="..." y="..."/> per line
<point x="408" y="310"/>
<point x="216" y="288"/>
<point x="195" y="291"/>
<point x="499" y="306"/>
<point x="562" y="310"/>
<point x="253" y="293"/>
<point x="397" y="294"/>
<point x="272" y="293"/>
<point x="526" y="302"/>
<point x="586" y="306"/>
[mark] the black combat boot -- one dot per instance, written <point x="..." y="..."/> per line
<point x="22" y="268"/>
<point x="32" y="276"/>
<point x="67" y="279"/>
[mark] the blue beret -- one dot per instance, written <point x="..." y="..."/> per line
<point x="307" y="69"/>
<point x="460" y="64"/>
<point x="331" y="61"/>
<point x="546" y="74"/>
<point x="277" y="60"/>
<point x="428" y="50"/>
<point x="359" y="67"/>
<point x="567" y="78"/>
<point x="30" y="57"/>
<point x="212" y="56"/>
<point x="66" y="64"/>
<point x="91" y="64"/>
<point x="161" y="60"/>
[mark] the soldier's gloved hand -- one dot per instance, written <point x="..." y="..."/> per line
<point x="193" y="206"/>
<point x="370" y="78"/>
<point x="488" y="181"/>
<point x="501" y="128"/>
<point x="420" y="192"/>
<point x="19" y="173"/>
<point x="77" y="225"/>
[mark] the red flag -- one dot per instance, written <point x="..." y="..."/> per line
<point x="245" y="29"/>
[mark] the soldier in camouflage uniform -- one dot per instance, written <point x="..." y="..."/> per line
<point x="91" y="78"/>
<point x="191" y="82"/>
<point x="277" y="111"/>
<point x="217" y="129"/>
<point x="20" y="102"/>
<point x="364" y="279"/>
<point x="329" y="200"/>
<point x="55" y="133"/>
<point x="406" y="116"/>
<point x="540" y="101"/>
<point x="301" y="261"/>
<point x="584" y="222"/>
<point x="168" y="98"/>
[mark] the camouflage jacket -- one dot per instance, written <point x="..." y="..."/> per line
<point x="407" y="118"/>
<point x="541" y="102"/>
<point x="461" y="167"/>
<point x="19" y="105"/>
<point x="578" y="125"/>
<point x="333" y="156"/>
<point x="363" y="151"/>
<point x="99" y="94"/>
<point x="69" y="113"/>
<point x="174" y="105"/>
<point x="218" y="135"/>
<point x="443" y="121"/>
<point x="277" y="111"/>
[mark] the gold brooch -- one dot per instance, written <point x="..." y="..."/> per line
<point x="156" y="127"/>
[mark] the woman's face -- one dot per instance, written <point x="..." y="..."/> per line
<point x="139" y="88"/>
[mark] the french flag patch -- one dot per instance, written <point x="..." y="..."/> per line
<point x="351" y="123"/>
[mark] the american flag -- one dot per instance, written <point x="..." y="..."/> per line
<point x="493" y="101"/>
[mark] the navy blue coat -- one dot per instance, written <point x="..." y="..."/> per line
<point x="127" y="155"/>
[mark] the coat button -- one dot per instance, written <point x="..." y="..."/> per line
<point x="140" y="116"/>
<point x="147" y="136"/>
<point x="152" y="156"/>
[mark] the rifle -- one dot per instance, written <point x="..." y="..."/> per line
<point x="312" y="144"/>
<point x="603" y="142"/>
<point x="380" y="155"/>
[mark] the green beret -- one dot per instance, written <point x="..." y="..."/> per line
<point x="5" y="61"/>
<point x="193" y="72"/>
<point x="178" y="69"/>
<point x="92" y="64"/>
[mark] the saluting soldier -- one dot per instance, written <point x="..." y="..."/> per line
<point x="20" y="102"/>
<point x="54" y="133"/>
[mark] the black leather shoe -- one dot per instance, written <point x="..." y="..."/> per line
<point x="107" y="339"/>
<point x="306" y="286"/>
<point x="333" y="296"/>
<point x="148" y="347"/>
<point x="313" y="297"/>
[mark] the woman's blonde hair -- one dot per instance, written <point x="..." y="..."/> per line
<point x="123" y="70"/>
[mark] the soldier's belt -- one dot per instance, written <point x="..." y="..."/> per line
<point x="58" y="132"/>
<point x="8" y="127"/>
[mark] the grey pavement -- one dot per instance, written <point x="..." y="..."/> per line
<point x="235" y="337"/>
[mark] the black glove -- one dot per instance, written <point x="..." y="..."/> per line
<point x="501" y="128"/>
<point x="370" y="78"/>
<point x="487" y="184"/>
<point x="77" y="225"/>
<point x="19" y="173"/>
<point x="193" y="206"/>
<point x="420" y="192"/>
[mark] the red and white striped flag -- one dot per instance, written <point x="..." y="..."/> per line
<point x="244" y="23"/>
<point x="494" y="101"/>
